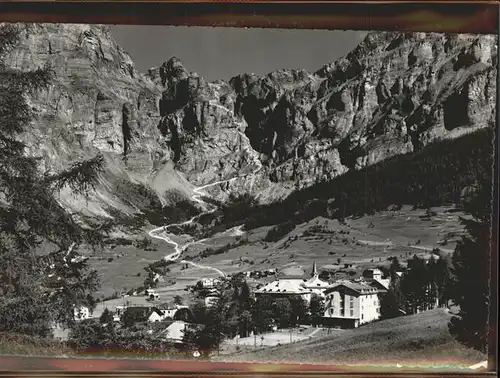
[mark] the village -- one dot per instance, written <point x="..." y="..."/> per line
<point x="318" y="289"/>
<point x="346" y="298"/>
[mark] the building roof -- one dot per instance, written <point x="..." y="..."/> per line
<point x="381" y="285"/>
<point x="315" y="282"/>
<point x="385" y="282"/>
<point x="290" y="286"/>
<point x="360" y="287"/>
<point x="175" y="331"/>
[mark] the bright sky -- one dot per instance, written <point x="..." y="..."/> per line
<point x="221" y="53"/>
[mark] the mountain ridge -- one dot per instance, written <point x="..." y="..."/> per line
<point x="169" y="130"/>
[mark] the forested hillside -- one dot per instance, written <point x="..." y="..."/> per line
<point x="438" y="175"/>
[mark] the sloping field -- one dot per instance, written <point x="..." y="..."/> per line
<point x="366" y="241"/>
<point x="414" y="341"/>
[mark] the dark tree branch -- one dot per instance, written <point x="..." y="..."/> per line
<point x="81" y="177"/>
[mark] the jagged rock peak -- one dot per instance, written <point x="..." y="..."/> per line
<point x="394" y="94"/>
<point x="169" y="72"/>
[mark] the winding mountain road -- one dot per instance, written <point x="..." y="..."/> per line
<point x="162" y="234"/>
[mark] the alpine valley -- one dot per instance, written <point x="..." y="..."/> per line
<point x="296" y="140"/>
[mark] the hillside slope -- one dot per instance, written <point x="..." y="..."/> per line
<point x="416" y="341"/>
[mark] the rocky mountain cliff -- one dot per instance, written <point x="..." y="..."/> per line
<point x="171" y="129"/>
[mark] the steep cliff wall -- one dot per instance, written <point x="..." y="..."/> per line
<point x="395" y="93"/>
<point x="96" y="102"/>
<point x="169" y="128"/>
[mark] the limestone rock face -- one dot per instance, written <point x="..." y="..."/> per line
<point x="96" y="102"/>
<point x="394" y="94"/>
<point x="169" y="128"/>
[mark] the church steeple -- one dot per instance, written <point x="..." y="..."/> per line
<point x="314" y="271"/>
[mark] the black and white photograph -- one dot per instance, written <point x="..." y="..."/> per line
<point x="246" y="195"/>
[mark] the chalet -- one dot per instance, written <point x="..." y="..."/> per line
<point x="81" y="313"/>
<point x="141" y="313"/>
<point x="350" y="304"/>
<point x="151" y="294"/>
<point x="164" y="312"/>
<point x="59" y="332"/>
<point x="374" y="278"/>
<point x="157" y="315"/>
<point x="175" y="331"/>
<point x="382" y="287"/>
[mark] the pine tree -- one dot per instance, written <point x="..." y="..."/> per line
<point x="37" y="289"/>
<point x="283" y="310"/>
<point x="210" y="326"/>
<point x="106" y="317"/>
<point x="394" y="301"/>
<point x="394" y="267"/>
<point x="389" y="307"/>
<point x="432" y="285"/>
<point x="415" y="285"/>
<point x="471" y="287"/>
<point x="317" y="309"/>
<point x="440" y="273"/>
<point x="299" y="310"/>
<point x="263" y="313"/>
<point x="178" y="300"/>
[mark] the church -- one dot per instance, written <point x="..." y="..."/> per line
<point x="302" y="287"/>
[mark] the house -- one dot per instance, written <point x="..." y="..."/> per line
<point x="60" y="332"/>
<point x="382" y="287"/>
<point x="374" y="277"/>
<point x="349" y="304"/>
<point x="151" y="294"/>
<point x="164" y="312"/>
<point x="156" y="315"/>
<point x="171" y="309"/>
<point x="175" y="331"/>
<point x="153" y="297"/>
<point x="81" y="313"/>
<point x="140" y="313"/>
